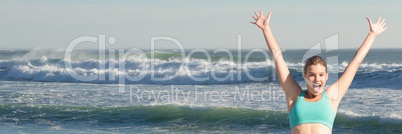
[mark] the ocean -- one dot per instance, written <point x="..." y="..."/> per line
<point x="188" y="91"/>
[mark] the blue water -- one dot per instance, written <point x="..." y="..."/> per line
<point x="213" y="93"/>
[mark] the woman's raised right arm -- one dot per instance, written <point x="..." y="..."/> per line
<point x="289" y="85"/>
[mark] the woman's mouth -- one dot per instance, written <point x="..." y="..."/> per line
<point x="316" y="87"/>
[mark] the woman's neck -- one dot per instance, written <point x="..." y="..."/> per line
<point x="311" y="96"/>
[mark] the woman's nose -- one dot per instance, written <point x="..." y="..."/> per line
<point x="316" y="78"/>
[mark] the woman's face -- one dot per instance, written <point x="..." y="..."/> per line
<point x="316" y="77"/>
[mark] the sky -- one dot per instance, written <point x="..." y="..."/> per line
<point x="206" y="24"/>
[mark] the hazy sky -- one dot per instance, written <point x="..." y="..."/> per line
<point x="207" y="24"/>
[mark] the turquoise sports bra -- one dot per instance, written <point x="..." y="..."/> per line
<point x="304" y="112"/>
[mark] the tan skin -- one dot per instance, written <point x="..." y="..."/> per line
<point x="315" y="74"/>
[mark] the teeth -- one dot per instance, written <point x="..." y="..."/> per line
<point x="316" y="85"/>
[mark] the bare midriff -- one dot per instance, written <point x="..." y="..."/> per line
<point x="311" y="129"/>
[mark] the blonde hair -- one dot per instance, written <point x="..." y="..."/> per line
<point x="314" y="60"/>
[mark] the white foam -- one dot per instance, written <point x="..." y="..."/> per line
<point x="173" y="71"/>
<point x="383" y="117"/>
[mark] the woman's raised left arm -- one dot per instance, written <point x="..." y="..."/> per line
<point x="339" y="88"/>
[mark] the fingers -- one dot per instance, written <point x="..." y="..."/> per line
<point x="261" y="13"/>
<point x="379" y="18"/>
<point x="382" y="21"/>
<point x="255" y="18"/>
<point x="369" y="20"/>
<point x="269" y="15"/>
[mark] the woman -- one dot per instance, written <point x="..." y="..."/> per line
<point x="314" y="110"/>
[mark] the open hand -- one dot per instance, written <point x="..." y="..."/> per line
<point x="378" y="27"/>
<point x="261" y="21"/>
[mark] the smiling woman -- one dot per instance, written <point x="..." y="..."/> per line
<point x="314" y="110"/>
<point x="315" y="73"/>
